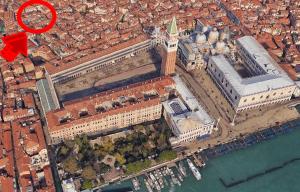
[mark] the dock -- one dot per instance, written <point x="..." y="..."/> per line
<point x="198" y="162"/>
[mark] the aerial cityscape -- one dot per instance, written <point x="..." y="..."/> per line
<point x="150" y="96"/>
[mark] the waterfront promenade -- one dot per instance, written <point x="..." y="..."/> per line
<point x="244" y="123"/>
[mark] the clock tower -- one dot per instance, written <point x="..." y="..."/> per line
<point x="170" y="45"/>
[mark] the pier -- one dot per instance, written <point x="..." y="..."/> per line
<point x="198" y="161"/>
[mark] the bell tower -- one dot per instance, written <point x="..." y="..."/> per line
<point x="170" y="45"/>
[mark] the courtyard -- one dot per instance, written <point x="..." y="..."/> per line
<point x="133" y="69"/>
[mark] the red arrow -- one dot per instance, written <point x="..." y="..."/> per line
<point x="15" y="44"/>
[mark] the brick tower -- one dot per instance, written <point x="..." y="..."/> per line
<point x="169" y="49"/>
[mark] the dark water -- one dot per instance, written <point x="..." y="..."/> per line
<point x="244" y="163"/>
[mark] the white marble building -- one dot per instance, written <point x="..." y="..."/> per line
<point x="267" y="84"/>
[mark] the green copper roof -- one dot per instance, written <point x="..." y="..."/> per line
<point x="172" y="28"/>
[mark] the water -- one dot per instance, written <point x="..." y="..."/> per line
<point x="244" y="163"/>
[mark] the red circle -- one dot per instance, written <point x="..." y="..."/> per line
<point x="34" y="2"/>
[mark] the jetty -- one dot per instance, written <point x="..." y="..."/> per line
<point x="198" y="161"/>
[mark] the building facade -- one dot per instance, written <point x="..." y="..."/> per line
<point x="267" y="84"/>
<point x="68" y="71"/>
<point x="60" y="72"/>
<point x="186" y="125"/>
<point x="186" y="117"/>
<point x="170" y="49"/>
<point x="107" y="111"/>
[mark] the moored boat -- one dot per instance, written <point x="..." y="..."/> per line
<point x="182" y="169"/>
<point x="148" y="186"/>
<point x="136" y="184"/>
<point x="194" y="170"/>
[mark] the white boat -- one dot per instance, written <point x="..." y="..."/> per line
<point x="148" y="186"/>
<point x="136" y="184"/>
<point x="175" y="180"/>
<point x="194" y="170"/>
<point x="180" y="178"/>
<point x="156" y="184"/>
<point x="182" y="169"/>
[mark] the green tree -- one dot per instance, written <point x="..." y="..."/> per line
<point x="71" y="165"/>
<point x="145" y="152"/>
<point x="104" y="168"/>
<point x="82" y="141"/>
<point x="87" y="184"/>
<point x="120" y="158"/>
<point x="139" y="128"/>
<point x="138" y="166"/>
<point x="88" y="173"/>
<point x="100" y="154"/>
<point x="167" y="156"/>
<point x="69" y="143"/>
<point x="126" y="148"/>
<point x="63" y="151"/>
<point x="108" y="144"/>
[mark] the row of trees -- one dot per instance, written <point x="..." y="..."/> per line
<point x="79" y="158"/>
<point x="134" y="152"/>
<point x="139" y="166"/>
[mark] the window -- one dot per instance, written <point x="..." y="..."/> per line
<point x="268" y="97"/>
<point x="253" y="98"/>
<point x="245" y="100"/>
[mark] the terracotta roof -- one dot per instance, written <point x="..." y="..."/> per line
<point x="89" y="103"/>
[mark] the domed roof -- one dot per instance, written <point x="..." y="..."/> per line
<point x="213" y="36"/>
<point x="205" y="28"/>
<point x="224" y="36"/>
<point x="200" y="38"/>
<point x="220" y="45"/>
<point x="188" y="124"/>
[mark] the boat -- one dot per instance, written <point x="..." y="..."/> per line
<point x="194" y="170"/>
<point x="148" y="186"/>
<point x="156" y="185"/>
<point x="136" y="184"/>
<point x="169" y="171"/>
<point x="149" y="181"/>
<point x="182" y="169"/>
<point x="175" y="180"/>
<point x="180" y="178"/>
<point x="159" y="177"/>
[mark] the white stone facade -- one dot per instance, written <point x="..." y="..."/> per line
<point x="268" y="84"/>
